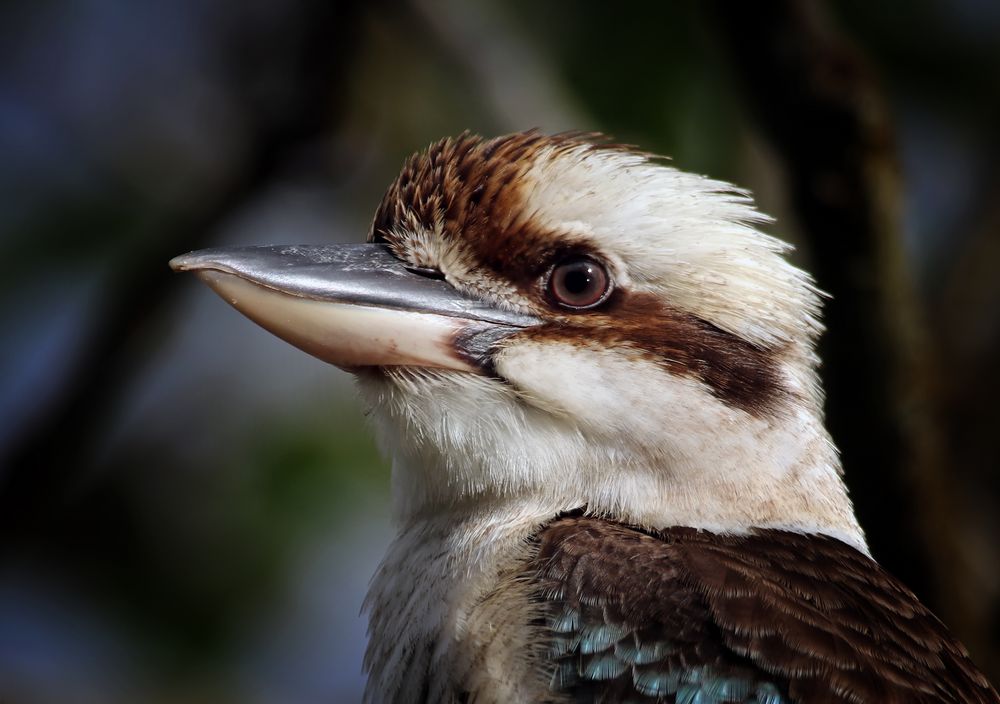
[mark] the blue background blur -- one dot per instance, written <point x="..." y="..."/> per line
<point x="200" y="505"/>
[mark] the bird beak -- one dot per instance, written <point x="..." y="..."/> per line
<point x="355" y="305"/>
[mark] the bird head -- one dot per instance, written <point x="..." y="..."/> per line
<point x="542" y="324"/>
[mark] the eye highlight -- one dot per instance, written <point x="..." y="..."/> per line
<point x="579" y="283"/>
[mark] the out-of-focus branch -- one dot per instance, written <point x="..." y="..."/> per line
<point x="822" y="110"/>
<point x="48" y="461"/>
<point x="966" y="320"/>
<point x="966" y="307"/>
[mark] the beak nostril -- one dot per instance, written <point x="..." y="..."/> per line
<point x="429" y="272"/>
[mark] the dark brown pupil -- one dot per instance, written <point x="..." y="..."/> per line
<point x="579" y="279"/>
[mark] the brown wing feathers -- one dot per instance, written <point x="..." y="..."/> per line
<point x="771" y="617"/>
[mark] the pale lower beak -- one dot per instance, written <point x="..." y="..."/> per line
<point x="356" y="305"/>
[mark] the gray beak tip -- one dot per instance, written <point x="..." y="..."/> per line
<point x="184" y="262"/>
<point x="216" y="259"/>
<point x="192" y="261"/>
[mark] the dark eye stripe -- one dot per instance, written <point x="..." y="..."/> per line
<point x="739" y="373"/>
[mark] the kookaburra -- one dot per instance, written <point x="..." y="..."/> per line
<point x="611" y="481"/>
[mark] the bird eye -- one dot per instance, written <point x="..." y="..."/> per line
<point x="579" y="283"/>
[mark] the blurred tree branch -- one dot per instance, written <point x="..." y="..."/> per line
<point x="289" y="87"/>
<point x="821" y="108"/>
<point x="966" y="321"/>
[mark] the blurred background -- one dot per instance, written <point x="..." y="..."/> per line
<point x="190" y="509"/>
